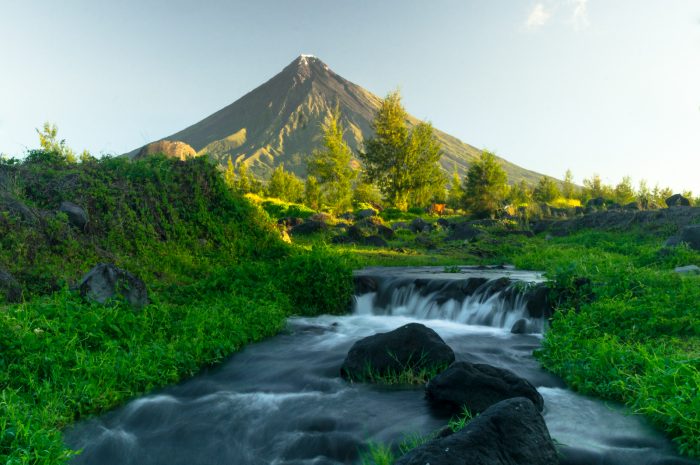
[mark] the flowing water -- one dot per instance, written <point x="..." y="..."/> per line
<point x="281" y="401"/>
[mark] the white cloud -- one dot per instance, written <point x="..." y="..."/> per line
<point x="538" y="16"/>
<point x="580" y="15"/>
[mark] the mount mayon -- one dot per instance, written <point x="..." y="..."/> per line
<point x="280" y="122"/>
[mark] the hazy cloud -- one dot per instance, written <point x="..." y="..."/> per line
<point x="580" y="15"/>
<point x="538" y="17"/>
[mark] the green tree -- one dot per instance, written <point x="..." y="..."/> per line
<point x="624" y="192"/>
<point x="367" y="193"/>
<point x="546" y="190"/>
<point x="312" y="193"/>
<point x="285" y="185"/>
<point x="568" y="189"/>
<point x="48" y="139"/>
<point x="520" y="194"/>
<point x="230" y="175"/>
<point x="331" y="165"/>
<point x="400" y="160"/>
<point x="455" y="194"/>
<point x="643" y="194"/>
<point x="485" y="186"/>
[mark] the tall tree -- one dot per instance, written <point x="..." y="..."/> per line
<point x="312" y="192"/>
<point x="568" y="189"/>
<point x="399" y="160"/>
<point x="546" y="190"/>
<point x="285" y="185"/>
<point x="485" y="186"/>
<point x="624" y="192"/>
<point x="455" y="193"/>
<point x="331" y="165"/>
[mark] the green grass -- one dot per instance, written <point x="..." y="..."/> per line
<point x="412" y="372"/>
<point x="219" y="277"/>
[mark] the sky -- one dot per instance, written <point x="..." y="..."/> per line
<point x="607" y="87"/>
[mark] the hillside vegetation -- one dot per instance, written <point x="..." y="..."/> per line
<point x="217" y="272"/>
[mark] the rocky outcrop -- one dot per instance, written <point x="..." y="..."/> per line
<point x="17" y="208"/>
<point x="677" y="200"/>
<point x="171" y="149"/>
<point x="412" y="347"/>
<point x="464" y="232"/>
<point x="309" y="227"/>
<point x="477" y="387"/>
<point x="105" y="282"/>
<point x="688" y="269"/>
<point x="691" y="236"/>
<point x="511" y="432"/>
<point x="10" y="289"/>
<point x="77" y="216"/>
<point x="419" y="225"/>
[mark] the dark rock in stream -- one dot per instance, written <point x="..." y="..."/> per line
<point x="410" y="347"/>
<point x="519" y="327"/>
<point x="511" y="432"/>
<point x="477" y="387"/>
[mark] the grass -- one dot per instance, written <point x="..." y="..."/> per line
<point x="410" y="372"/>
<point x="219" y="277"/>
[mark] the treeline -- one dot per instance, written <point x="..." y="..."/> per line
<point x="399" y="168"/>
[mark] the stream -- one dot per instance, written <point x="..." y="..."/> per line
<point x="282" y="401"/>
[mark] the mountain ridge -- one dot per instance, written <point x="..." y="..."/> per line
<point x="280" y="122"/>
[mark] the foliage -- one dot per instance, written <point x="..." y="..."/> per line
<point x="624" y="192"/>
<point x="455" y="193"/>
<point x="331" y="166"/>
<point x="366" y="193"/>
<point x="520" y="194"/>
<point x="485" y="186"/>
<point x="401" y="161"/>
<point x="214" y="265"/>
<point x="568" y="189"/>
<point x="546" y="190"/>
<point x="285" y="185"/>
<point x="312" y="193"/>
<point x="48" y="140"/>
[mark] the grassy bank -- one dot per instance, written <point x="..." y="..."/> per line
<point x="218" y="275"/>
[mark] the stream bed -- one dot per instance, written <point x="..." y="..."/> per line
<point x="282" y="401"/>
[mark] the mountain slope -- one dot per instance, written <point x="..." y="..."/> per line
<point x="280" y="122"/>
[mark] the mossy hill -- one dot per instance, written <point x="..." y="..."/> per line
<point x="280" y="122"/>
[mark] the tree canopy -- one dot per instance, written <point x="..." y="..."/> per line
<point x="402" y="161"/>
<point x="485" y="186"/>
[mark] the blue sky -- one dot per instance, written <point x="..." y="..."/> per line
<point x="596" y="86"/>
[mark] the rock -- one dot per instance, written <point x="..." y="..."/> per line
<point x="633" y="206"/>
<point x="677" y="200"/>
<point x="309" y="227"/>
<point x="322" y="217"/>
<point x="519" y="327"/>
<point x="420" y="225"/>
<point x="17" y="208"/>
<point x="399" y="225"/>
<point x="477" y="387"/>
<point x="105" y="281"/>
<point x="464" y="232"/>
<point x="171" y="149"/>
<point x="511" y="432"/>
<point x="374" y="241"/>
<point x="364" y="285"/>
<point x="77" y="216"/>
<point x="289" y="222"/>
<point x="598" y="202"/>
<point x="385" y="231"/>
<point x="342" y="239"/>
<point x="412" y="346"/>
<point x="357" y="232"/>
<point x="538" y="304"/>
<point x="691" y="236"/>
<point x="443" y="223"/>
<point x="689" y="269"/>
<point x="424" y="240"/>
<point x="673" y="241"/>
<point x="366" y="213"/>
<point x="9" y="287"/>
<point x="347" y="216"/>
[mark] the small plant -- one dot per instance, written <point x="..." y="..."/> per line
<point x="452" y="269"/>
<point x="377" y="454"/>
<point x="460" y="421"/>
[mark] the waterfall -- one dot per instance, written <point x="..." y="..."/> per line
<point x="513" y="301"/>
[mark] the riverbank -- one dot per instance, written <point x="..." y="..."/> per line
<point x="217" y="272"/>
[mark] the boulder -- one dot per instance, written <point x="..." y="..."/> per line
<point x="309" y="227"/>
<point x="464" y="232"/>
<point x="538" y="303"/>
<point x="688" y="269"/>
<point x="342" y="240"/>
<point x="17" y="208"/>
<point x="410" y="347"/>
<point x="691" y="236"/>
<point x="105" y="282"/>
<point x="673" y="241"/>
<point x="443" y="223"/>
<point x="519" y="327"/>
<point x="171" y="149"/>
<point x="598" y="202"/>
<point x="420" y="225"/>
<point x="634" y="206"/>
<point x="10" y="289"/>
<point x="677" y="200"/>
<point x="366" y="213"/>
<point x="400" y="225"/>
<point x="289" y="222"/>
<point x="364" y="285"/>
<point x="477" y="386"/>
<point x="511" y="432"/>
<point x="374" y="241"/>
<point x="77" y="216"/>
<point x="385" y="231"/>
